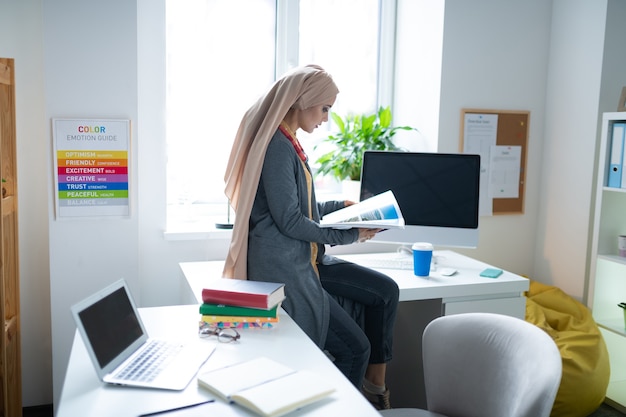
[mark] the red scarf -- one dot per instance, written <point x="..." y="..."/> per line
<point x="294" y="140"/>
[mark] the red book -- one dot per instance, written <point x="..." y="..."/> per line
<point x="243" y="293"/>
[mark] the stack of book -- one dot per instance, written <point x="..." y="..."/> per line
<point x="234" y="303"/>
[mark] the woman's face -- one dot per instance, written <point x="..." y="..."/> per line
<point x="314" y="116"/>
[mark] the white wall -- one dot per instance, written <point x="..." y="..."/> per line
<point x="492" y="59"/>
<point x="83" y="58"/>
<point x="90" y="61"/>
<point x="572" y="115"/>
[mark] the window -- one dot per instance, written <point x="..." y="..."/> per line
<point x="223" y="54"/>
<point x="215" y="70"/>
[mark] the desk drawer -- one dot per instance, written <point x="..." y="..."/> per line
<point x="514" y="306"/>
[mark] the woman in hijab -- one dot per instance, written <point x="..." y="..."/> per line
<point x="277" y="236"/>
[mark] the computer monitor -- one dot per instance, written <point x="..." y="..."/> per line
<point x="438" y="195"/>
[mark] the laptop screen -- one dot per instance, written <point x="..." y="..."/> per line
<point x="110" y="325"/>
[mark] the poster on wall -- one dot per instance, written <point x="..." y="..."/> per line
<point x="480" y="132"/>
<point x="91" y="161"/>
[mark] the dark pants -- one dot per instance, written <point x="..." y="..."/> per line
<point x="362" y="315"/>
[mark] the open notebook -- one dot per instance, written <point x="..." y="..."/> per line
<point x="120" y="349"/>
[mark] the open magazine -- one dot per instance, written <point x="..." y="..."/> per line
<point x="380" y="211"/>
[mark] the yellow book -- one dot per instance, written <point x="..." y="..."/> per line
<point x="239" y="319"/>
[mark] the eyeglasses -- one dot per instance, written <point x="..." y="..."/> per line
<point x="224" y="335"/>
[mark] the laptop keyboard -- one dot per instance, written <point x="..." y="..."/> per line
<point x="147" y="365"/>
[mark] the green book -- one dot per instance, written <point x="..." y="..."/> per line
<point x="228" y="310"/>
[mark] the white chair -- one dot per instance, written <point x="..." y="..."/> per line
<point x="486" y="365"/>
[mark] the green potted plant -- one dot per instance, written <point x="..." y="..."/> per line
<point x="357" y="133"/>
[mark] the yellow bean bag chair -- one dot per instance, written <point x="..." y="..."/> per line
<point x="586" y="368"/>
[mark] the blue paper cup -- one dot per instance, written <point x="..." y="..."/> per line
<point x="422" y="257"/>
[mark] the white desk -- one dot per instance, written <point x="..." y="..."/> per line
<point x="465" y="291"/>
<point x="84" y="395"/>
<point x="423" y="299"/>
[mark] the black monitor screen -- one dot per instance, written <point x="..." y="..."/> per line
<point x="432" y="189"/>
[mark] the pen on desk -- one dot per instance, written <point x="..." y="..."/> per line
<point x="169" y="410"/>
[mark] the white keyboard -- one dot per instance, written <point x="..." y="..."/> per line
<point x="150" y="362"/>
<point x="399" y="262"/>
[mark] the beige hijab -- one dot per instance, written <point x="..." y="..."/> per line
<point x="300" y="88"/>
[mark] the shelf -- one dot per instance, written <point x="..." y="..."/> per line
<point x="10" y="343"/>
<point x="607" y="275"/>
<point x="614" y="190"/>
<point x="613" y="258"/>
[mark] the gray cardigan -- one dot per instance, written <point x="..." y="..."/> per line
<point x="280" y="234"/>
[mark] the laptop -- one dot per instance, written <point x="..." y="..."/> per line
<point x="117" y="343"/>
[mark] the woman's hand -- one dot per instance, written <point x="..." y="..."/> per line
<point x="364" y="234"/>
<point x="367" y="234"/>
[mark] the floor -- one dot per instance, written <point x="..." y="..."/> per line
<point x="603" y="411"/>
<point x="46" y="411"/>
<point x="38" y="411"/>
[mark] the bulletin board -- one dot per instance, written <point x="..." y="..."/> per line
<point x="512" y="132"/>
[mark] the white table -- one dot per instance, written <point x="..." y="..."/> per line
<point x="465" y="291"/>
<point x="422" y="300"/>
<point x="84" y="395"/>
